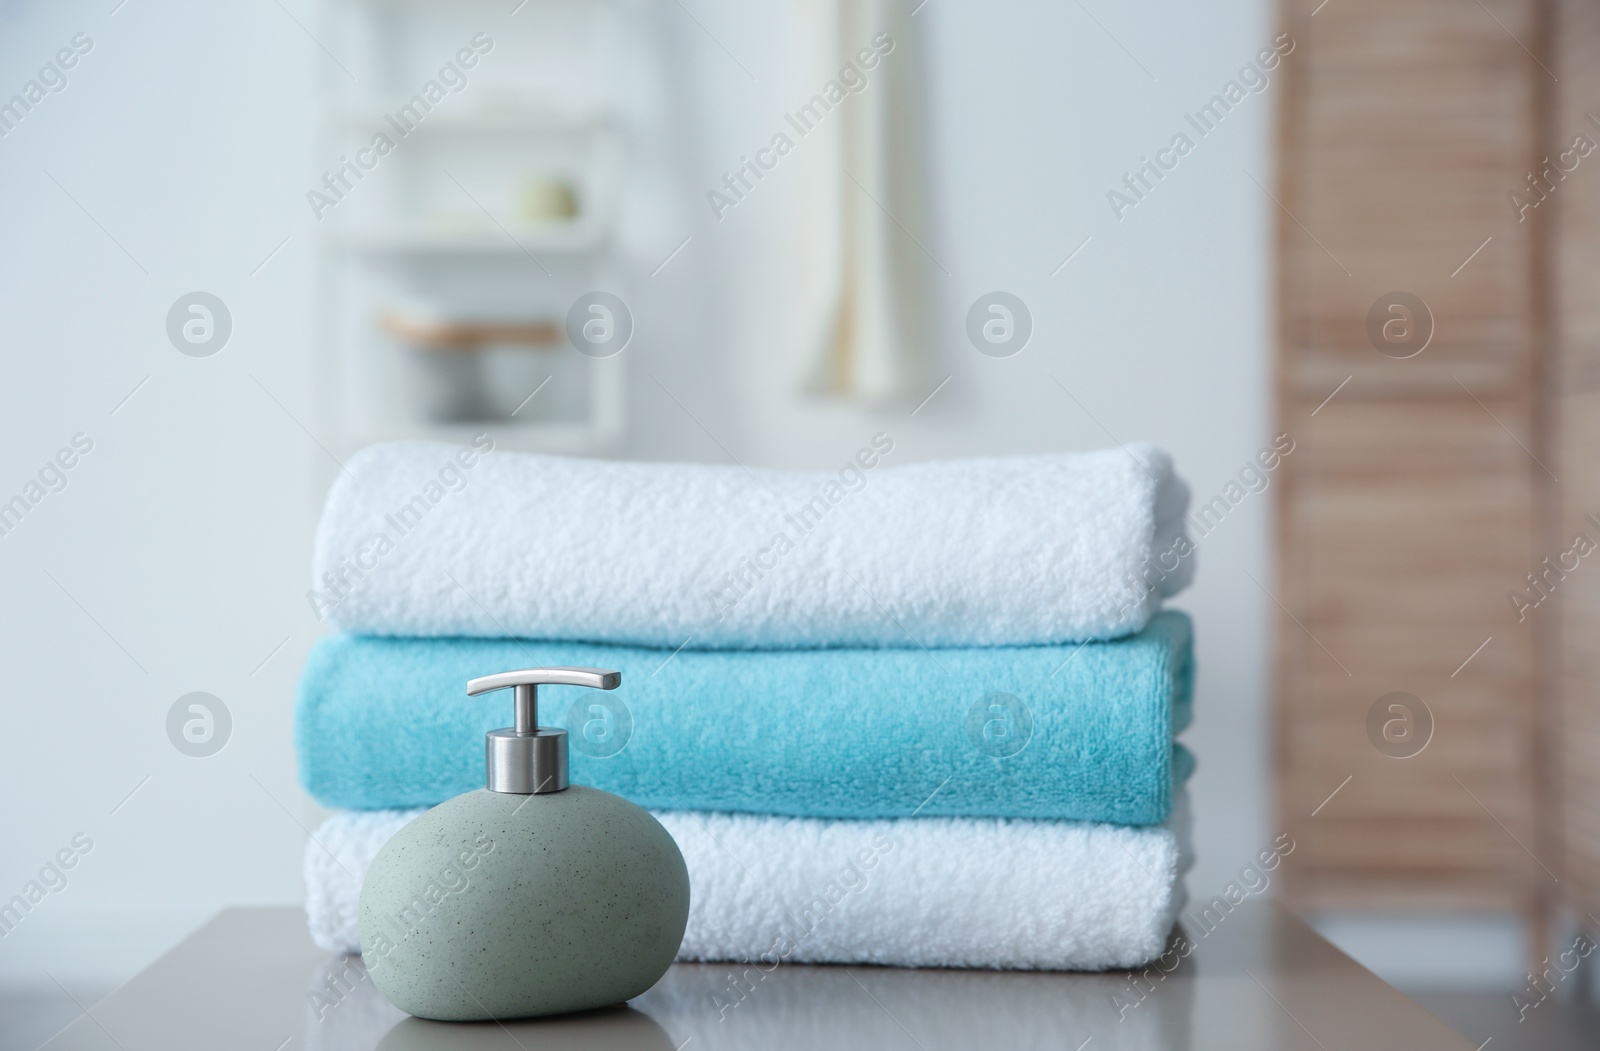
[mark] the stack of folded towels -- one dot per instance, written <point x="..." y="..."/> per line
<point x="918" y="715"/>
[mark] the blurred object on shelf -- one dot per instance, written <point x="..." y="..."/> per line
<point x="462" y="370"/>
<point x="549" y="199"/>
<point x="470" y="335"/>
<point x="447" y="386"/>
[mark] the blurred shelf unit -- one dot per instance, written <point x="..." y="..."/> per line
<point x="472" y="162"/>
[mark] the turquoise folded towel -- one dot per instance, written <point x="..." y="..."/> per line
<point x="1078" y="732"/>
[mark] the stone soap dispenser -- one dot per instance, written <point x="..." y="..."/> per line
<point x="529" y="897"/>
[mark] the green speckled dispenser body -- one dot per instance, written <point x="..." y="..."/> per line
<point x="498" y="906"/>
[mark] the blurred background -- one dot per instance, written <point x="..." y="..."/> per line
<point x="243" y="240"/>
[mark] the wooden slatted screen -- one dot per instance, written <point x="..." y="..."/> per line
<point x="1413" y="501"/>
<point x="1573" y="216"/>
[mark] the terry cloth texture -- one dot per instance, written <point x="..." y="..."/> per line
<point x="426" y="539"/>
<point x="1065" y="732"/>
<point x="915" y="892"/>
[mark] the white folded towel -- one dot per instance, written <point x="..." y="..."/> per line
<point x="914" y="892"/>
<point x="420" y="538"/>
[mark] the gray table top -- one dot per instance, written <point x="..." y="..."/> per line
<point x="1259" y="978"/>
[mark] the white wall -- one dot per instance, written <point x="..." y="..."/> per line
<point x="179" y="550"/>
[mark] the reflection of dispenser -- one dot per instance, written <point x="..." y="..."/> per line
<point x="608" y="1029"/>
<point x="344" y="1010"/>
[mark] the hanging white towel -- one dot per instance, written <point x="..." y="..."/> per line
<point x="862" y="210"/>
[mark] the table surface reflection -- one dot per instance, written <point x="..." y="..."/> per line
<point x="1260" y="978"/>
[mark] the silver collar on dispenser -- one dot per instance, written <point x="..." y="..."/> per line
<point x="529" y="759"/>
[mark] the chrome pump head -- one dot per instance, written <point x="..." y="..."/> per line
<point x="529" y="759"/>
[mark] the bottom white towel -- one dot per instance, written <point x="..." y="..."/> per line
<point x="915" y="892"/>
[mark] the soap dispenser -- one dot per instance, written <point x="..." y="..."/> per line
<point x="530" y="896"/>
